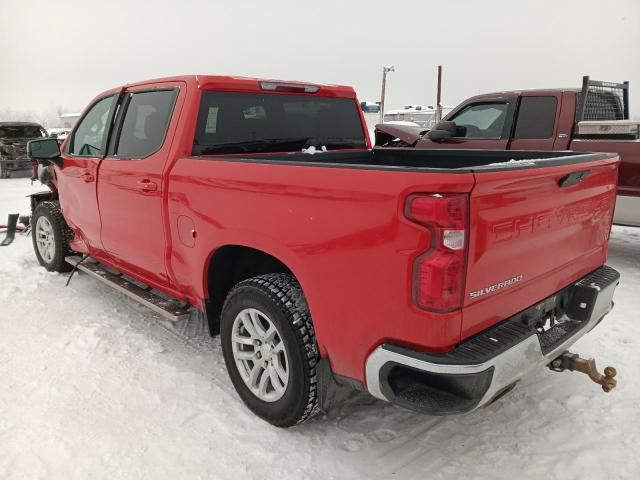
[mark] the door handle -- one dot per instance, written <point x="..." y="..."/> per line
<point x="88" y="177"/>
<point x="147" y="185"/>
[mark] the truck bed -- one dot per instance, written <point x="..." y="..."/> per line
<point x="338" y="221"/>
<point x="629" y="151"/>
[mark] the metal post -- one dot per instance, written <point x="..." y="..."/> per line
<point x="583" y="100"/>
<point x="439" y="96"/>
<point x="384" y="86"/>
<point x="385" y="69"/>
<point x="625" y="100"/>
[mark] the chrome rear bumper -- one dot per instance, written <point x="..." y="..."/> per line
<point x="485" y="366"/>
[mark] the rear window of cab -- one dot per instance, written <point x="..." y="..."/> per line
<point x="236" y="122"/>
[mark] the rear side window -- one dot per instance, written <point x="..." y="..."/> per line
<point x="90" y="136"/>
<point x="536" y="117"/>
<point x="482" y="120"/>
<point x="145" y="124"/>
<point x="237" y="122"/>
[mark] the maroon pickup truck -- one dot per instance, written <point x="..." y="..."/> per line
<point x="592" y="119"/>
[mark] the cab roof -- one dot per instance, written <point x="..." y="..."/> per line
<point x="517" y="92"/>
<point x="251" y="84"/>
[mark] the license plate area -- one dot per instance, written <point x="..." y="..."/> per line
<point x="550" y="320"/>
<point x="586" y="302"/>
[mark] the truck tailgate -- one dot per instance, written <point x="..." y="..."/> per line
<point x="534" y="229"/>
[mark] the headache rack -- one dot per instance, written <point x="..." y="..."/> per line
<point x="602" y="112"/>
<point x="600" y="101"/>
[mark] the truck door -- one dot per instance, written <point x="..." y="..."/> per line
<point x="483" y="124"/>
<point x="536" y="122"/>
<point x="130" y="187"/>
<point x="82" y="155"/>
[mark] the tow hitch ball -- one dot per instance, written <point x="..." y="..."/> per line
<point x="573" y="362"/>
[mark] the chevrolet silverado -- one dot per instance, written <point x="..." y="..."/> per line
<point x="431" y="279"/>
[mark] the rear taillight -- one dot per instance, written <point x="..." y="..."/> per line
<point x="439" y="273"/>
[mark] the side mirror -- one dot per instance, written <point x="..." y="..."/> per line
<point x="46" y="149"/>
<point x="442" y="131"/>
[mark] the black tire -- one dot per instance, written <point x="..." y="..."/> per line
<point x="61" y="236"/>
<point x="280" y="297"/>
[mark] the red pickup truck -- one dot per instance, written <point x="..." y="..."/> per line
<point x="594" y="118"/>
<point x="432" y="279"/>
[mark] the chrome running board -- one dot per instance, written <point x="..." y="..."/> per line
<point x="170" y="309"/>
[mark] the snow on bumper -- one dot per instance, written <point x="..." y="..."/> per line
<point x="489" y="364"/>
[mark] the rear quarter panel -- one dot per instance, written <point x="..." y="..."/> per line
<point x="341" y="231"/>
<point x="629" y="152"/>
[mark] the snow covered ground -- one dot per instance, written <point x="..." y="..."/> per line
<point x="93" y="386"/>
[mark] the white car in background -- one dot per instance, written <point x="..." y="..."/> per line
<point x="59" y="133"/>
<point x="422" y="115"/>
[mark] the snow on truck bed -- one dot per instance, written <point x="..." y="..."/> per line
<point x="95" y="386"/>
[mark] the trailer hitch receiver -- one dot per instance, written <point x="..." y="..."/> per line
<point x="573" y="362"/>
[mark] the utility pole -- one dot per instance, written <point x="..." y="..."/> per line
<point x="385" y="70"/>
<point x="439" y="96"/>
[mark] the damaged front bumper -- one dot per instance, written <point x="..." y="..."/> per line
<point x="486" y="366"/>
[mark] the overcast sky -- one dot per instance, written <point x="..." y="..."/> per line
<point x="64" y="52"/>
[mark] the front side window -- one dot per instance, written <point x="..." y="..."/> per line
<point x="90" y="136"/>
<point x="238" y="122"/>
<point x="536" y="117"/>
<point x="482" y="120"/>
<point x="145" y="123"/>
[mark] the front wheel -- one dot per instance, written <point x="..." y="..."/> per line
<point x="269" y="348"/>
<point x="51" y="236"/>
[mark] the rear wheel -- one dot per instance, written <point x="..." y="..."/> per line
<point x="51" y="236"/>
<point x="270" y="350"/>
